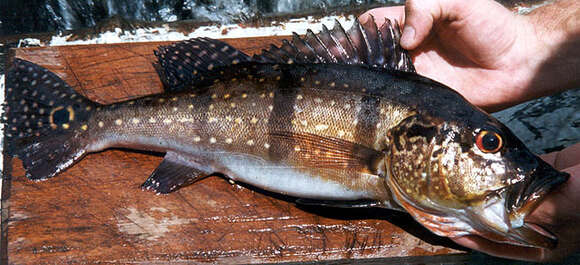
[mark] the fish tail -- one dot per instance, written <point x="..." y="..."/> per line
<point x="44" y="120"/>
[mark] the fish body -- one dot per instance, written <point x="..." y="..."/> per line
<point x="336" y="117"/>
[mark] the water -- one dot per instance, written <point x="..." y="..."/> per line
<point x="18" y="16"/>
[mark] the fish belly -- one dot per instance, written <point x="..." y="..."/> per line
<point x="286" y="179"/>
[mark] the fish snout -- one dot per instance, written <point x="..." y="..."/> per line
<point x="523" y="197"/>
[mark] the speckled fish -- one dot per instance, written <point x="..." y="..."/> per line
<point x="336" y="118"/>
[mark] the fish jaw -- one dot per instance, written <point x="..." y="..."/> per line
<point x="492" y="218"/>
<point x="494" y="222"/>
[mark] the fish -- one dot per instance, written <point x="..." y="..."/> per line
<point x="337" y="118"/>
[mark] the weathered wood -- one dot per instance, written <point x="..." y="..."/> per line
<point x="95" y="212"/>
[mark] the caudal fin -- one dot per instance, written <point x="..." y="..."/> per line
<point x="44" y="120"/>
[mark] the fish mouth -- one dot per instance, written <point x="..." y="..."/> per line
<point x="523" y="197"/>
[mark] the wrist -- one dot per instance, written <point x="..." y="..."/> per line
<point x="550" y="39"/>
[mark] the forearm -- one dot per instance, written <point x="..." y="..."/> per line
<point x="556" y="68"/>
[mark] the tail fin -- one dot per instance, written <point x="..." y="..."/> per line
<point x="44" y="120"/>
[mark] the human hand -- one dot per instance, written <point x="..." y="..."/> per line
<point x="485" y="52"/>
<point x="559" y="213"/>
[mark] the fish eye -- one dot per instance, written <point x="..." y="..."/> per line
<point x="488" y="141"/>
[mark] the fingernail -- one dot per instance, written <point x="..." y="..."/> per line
<point x="408" y="36"/>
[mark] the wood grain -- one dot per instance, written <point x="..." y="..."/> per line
<point x="95" y="212"/>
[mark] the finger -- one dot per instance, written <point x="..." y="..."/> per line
<point x="419" y="19"/>
<point x="502" y="250"/>
<point x="568" y="157"/>
<point x="379" y="14"/>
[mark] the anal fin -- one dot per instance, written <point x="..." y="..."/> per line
<point x="174" y="172"/>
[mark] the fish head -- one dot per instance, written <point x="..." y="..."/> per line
<point x="459" y="178"/>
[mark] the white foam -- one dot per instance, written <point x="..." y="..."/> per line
<point x="299" y="26"/>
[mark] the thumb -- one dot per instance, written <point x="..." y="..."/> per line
<point x="419" y="19"/>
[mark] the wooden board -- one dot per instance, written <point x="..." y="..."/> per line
<point x="95" y="212"/>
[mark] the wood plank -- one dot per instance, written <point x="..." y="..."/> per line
<point x="95" y="212"/>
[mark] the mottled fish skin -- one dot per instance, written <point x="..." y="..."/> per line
<point x="269" y="113"/>
<point x="335" y="116"/>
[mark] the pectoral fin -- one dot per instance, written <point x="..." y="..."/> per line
<point x="174" y="172"/>
<point x="328" y="152"/>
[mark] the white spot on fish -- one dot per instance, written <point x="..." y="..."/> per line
<point x="341" y="133"/>
<point x="152" y="120"/>
<point x="250" y="142"/>
<point x="118" y="121"/>
<point x="101" y="124"/>
<point x="210" y="106"/>
<point x="229" y="140"/>
<point x="254" y="120"/>
<point x="167" y="121"/>
<point x="297" y="148"/>
<point x="271" y="107"/>
<point x="212" y="140"/>
<point x="174" y="108"/>
<point x="238" y="120"/>
<point x="318" y="100"/>
<point x="135" y="120"/>
<point x="266" y="145"/>
<point x="347" y="106"/>
<point x="321" y="127"/>
<point x="196" y="139"/>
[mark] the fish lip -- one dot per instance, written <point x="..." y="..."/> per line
<point x="533" y="235"/>
<point x="521" y="200"/>
<point x="524" y="196"/>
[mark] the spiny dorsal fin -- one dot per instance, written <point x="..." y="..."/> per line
<point x="189" y="62"/>
<point x="364" y="44"/>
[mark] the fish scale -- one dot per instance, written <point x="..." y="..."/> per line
<point x="338" y="118"/>
<point x="242" y="116"/>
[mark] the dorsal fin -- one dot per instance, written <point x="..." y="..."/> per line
<point x="364" y="44"/>
<point x="189" y="62"/>
<point x="193" y="62"/>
